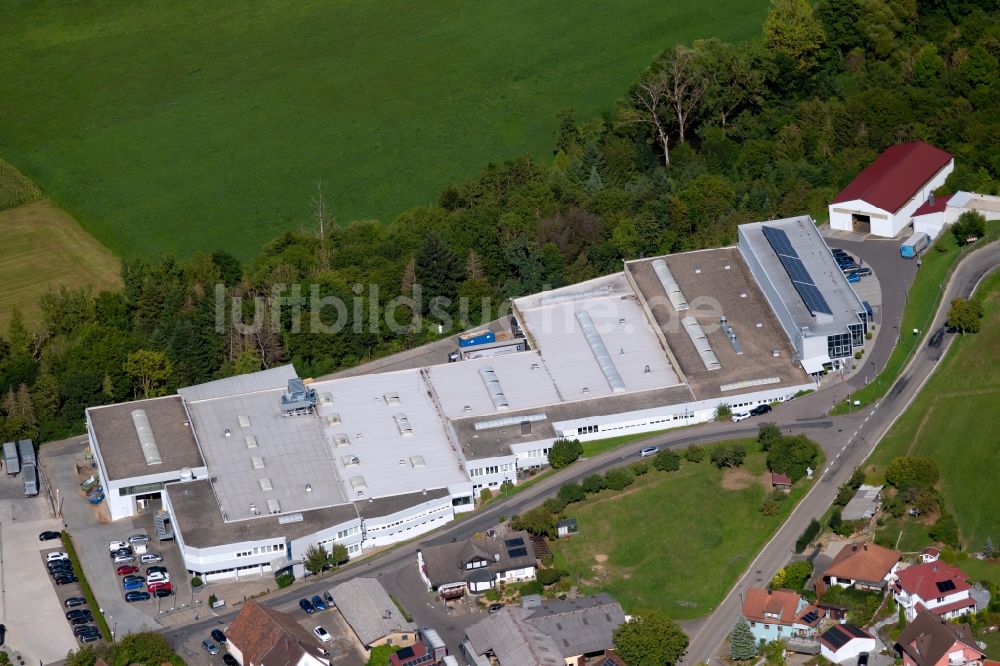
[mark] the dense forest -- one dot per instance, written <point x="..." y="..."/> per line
<point x="709" y="136"/>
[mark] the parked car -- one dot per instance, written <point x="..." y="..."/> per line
<point x="330" y="603"/>
<point x="153" y="588"/>
<point x="317" y="603"/>
<point x="48" y="535"/>
<point x="760" y="410"/>
<point x="218" y="636"/>
<point x="210" y="647"/>
<point x="157" y="577"/>
<point x="73" y="602"/>
<point x="76" y="621"/>
<point x="649" y="451"/>
<point x="853" y="278"/>
<point x="89" y="483"/>
<point x="52" y="557"/>
<point x="3" y="634"/>
<point x="864" y="271"/>
<point x="89" y="638"/>
<point x="79" y="612"/>
<point x="136" y="596"/>
<point x="132" y="585"/>
<point x="162" y="590"/>
<point x="123" y="559"/>
<point x="133" y="577"/>
<point x="127" y="569"/>
<point x="65" y="580"/>
<point x="151" y="570"/>
<point x="849" y="268"/>
<point x="117" y="545"/>
<point x="322" y="634"/>
<point x="306" y="606"/>
<point x="61" y="565"/>
<point x="495" y="607"/>
<point x="740" y="416"/>
<point x="61" y="571"/>
<point x="138" y="538"/>
<point x="149" y="558"/>
<point x="96" y="499"/>
<point x="229" y="660"/>
<point x="84" y="629"/>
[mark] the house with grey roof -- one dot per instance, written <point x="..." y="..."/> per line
<point x="477" y="564"/>
<point x="552" y="634"/>
<point x="864" y="505"/>
<point x="372" y="614"/>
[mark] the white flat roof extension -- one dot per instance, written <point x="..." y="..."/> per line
<point x="522" y="377"/>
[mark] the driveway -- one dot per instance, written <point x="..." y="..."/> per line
<point x="29" y="606"/>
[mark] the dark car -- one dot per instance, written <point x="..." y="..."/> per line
<point x="317" y="603"/>
<point x="121" y="552"/>
<point x="57" y="569"/>
<point x="48" y="535"/>
<point x="495" y="607"/>
<point x="161" y="592"/>
<point x="864" y="271"/>
<point x="229" y="660"/>
<point x="760" y="409"/>
<point x="73" y="602"/>
<point x="863" y="659"/>
<point x="89" y="638"/>
<point x="306" y="606"/>
<point x="3" y="633"/>
<point x="135" y="595"/>
<point x="849" y="268"/>
<point x="64" y="580"/>
<point x="79" y="612"/>
<point x="84" y="629"/>
<point x="218" y="635"/>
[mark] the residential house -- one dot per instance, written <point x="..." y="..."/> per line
<point x="864" y="505"/>
<point x="866" y="566"/>
<point x="477" y="564"/>
<point x="372" y="614"/>
<point x="930" y="554"/>
<point x="882" y="199"/>
<point x="412" y="655"/>
<point x="781" y="482"/>
<point x="261" y="636"/>
<point x="930" y="640"/>
<point x="935" y="586"/>
<point x="842" y="643"/>
<point x="780" y="614"/>
<point x="938" y="212"/>
<point x="558" y="632"/>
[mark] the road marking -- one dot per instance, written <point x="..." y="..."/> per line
<point x="838" y="454"/>
<point x="855" y="434"/>
<point x="843" y="447"/>
<point x="873" y="411"/>
<point x="866" y="419"/>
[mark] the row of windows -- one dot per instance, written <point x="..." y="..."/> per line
<point x="537" y="453"/>
<point x="142" y="488"/>
<point x="261" y="550"/>
<point x="410" y="527"/>
<point x="839" y="345"/>
<point x="492" y="469"/>
<point x="586" y="430"/>
<point x="665" y="419"/>
<point x="343" y="534"/>
<point x="266" y="567"/>
<point x="379" y="528"/>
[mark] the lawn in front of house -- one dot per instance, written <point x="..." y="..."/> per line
<point x="673" y="541"/>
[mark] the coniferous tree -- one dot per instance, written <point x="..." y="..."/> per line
<point x="742" y="644"/>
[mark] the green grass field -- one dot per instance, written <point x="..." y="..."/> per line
<point x="673" y="541"/>
<point x="42" y="248"/>
<point x="188" y="126"/>
<point x="954" y="420"/>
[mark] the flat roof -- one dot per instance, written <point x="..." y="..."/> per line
<point x="718" y="282"/>
<point x="552" y="324"/>
<point x="494" y="442"/>
<point x="817" y="259"/>
<point x="286" y="458"/>
<point x="386" y="506"/>
<point x="263" y="380"/>
<point x="522" y="377"/>
<point x="201" y="526"/>
<point x="118" y="440"/>
<point x="385" y="435"/>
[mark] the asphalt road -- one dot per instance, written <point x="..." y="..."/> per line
<point x="847" y="440"/>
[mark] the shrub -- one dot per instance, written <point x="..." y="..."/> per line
<point x="794" y="576"/>
<point x="485" y="495"/>
<point x="196" y="581"/>
<point x="550" y="576"/>
<point x="593" y="484"/>
<point x="868" y="335"/>
<point x="912" y="472"/>
<point x="769" y="507"/>
<point x="723" y="412"/>
<point x="945" y="530"/>
<point x="537" y="521"/>
<point x="534" y="587"/>
<point x="564" y="452"/>
<point x="284" y="580"/>
<point x="619" y="478"/>
<point x="667" y="461"/>
<point x="571" y="492"/>
<point x="728" y="455"/>
<point x="548" y="560"/>
<point x="88" y="593"/>
<point x="491" y="595"/>
<point x="858" y="354"/>
<point x="640" y="468"/>
<point x="778" y="495"/>
<point x="554" y="505"/>
<point x="212" y="599"/>
<point x="768" y="434"/>
<point x="792" y="456"/>
<point x="811" y="532"/>
<point x="694" y="453"/>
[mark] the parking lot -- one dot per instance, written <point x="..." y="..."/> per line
<point x="30" y="606"/>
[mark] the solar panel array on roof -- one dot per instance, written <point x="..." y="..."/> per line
<point x="810" y="617"/>
<point x="858" y="632"/>
<point x="836" y="637"/>
<point x="514" y="543"/>
<point x="517" y="552"/>
<point x="796" y="270"/>
<point x="945" y="585"/>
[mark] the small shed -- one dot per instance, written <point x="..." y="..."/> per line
<point x="781" y="482"/>
<point x="566" y="527"/>
<point x="833" y="611"/>
<point x="865" y="503"/>
<point x="929" y="554"/>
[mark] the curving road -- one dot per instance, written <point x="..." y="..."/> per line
<point x="847" y="440"/>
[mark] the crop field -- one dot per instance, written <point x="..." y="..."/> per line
<point x="673" y="541"/>
<point x="954" y="420"/>
<point x="186" y="126"/>
<point x="42" y="248"/>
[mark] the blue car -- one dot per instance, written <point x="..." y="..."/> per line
<point x="306" y="606"/>
<point x="317" y="603"/>
<point x="96" y="499"/>
<point x="854" y="278"/>
<point x="132" y="584"/>
<point x="136" y="596"/>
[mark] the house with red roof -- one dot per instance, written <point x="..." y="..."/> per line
<point x="866" y="566"/>
<point x="935" y="586"/>
<point x="780" y="614"/>
<point x="931" y="640"/>
<point x="883" y="198"/>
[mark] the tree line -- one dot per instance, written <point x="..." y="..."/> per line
<point x="709" y="136"/>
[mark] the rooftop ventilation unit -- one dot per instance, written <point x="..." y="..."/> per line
<point x="290" y="518"/>
<point x="670" y="285"/>
<point x="244" y="421"/>
<point x="358" y="483"/>
<point x="265" y="484"/>
<point x="600" y="352"/>
<point x="417" y="462"/>
<point x="701" y="344"/>
<point x="350" y="461"/>
<point x="507" y="420"/>
<point x="391" y="398"/>
<point x="251" y="441"/>
<point x="333" y="419"/>
<point x="257" y="462"/>
<point x="747" y="383"/>
<point x="341" y="439"/>
<point x="403" y="423"/>
<point x="253" y="510"/>
<point x="187" y="474"/>
<point x="326" y="398"/>
<point x="731" y="334"/>
<point x="573" y="296"/>
<point x="146" y="439"/>
<point x="297" y="399"/>
<point x="273" y="507"/>
<point x="489" y="377"/>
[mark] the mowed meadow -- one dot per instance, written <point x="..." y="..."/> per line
<point x="187" y="126"/>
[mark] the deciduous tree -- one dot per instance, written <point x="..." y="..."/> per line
<point x="650" y="639"/>
<point x="149" y="371"/>
<point x="792" y="30"/>
<point x="315" y="559"/>
<point x="564" y="452"/>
